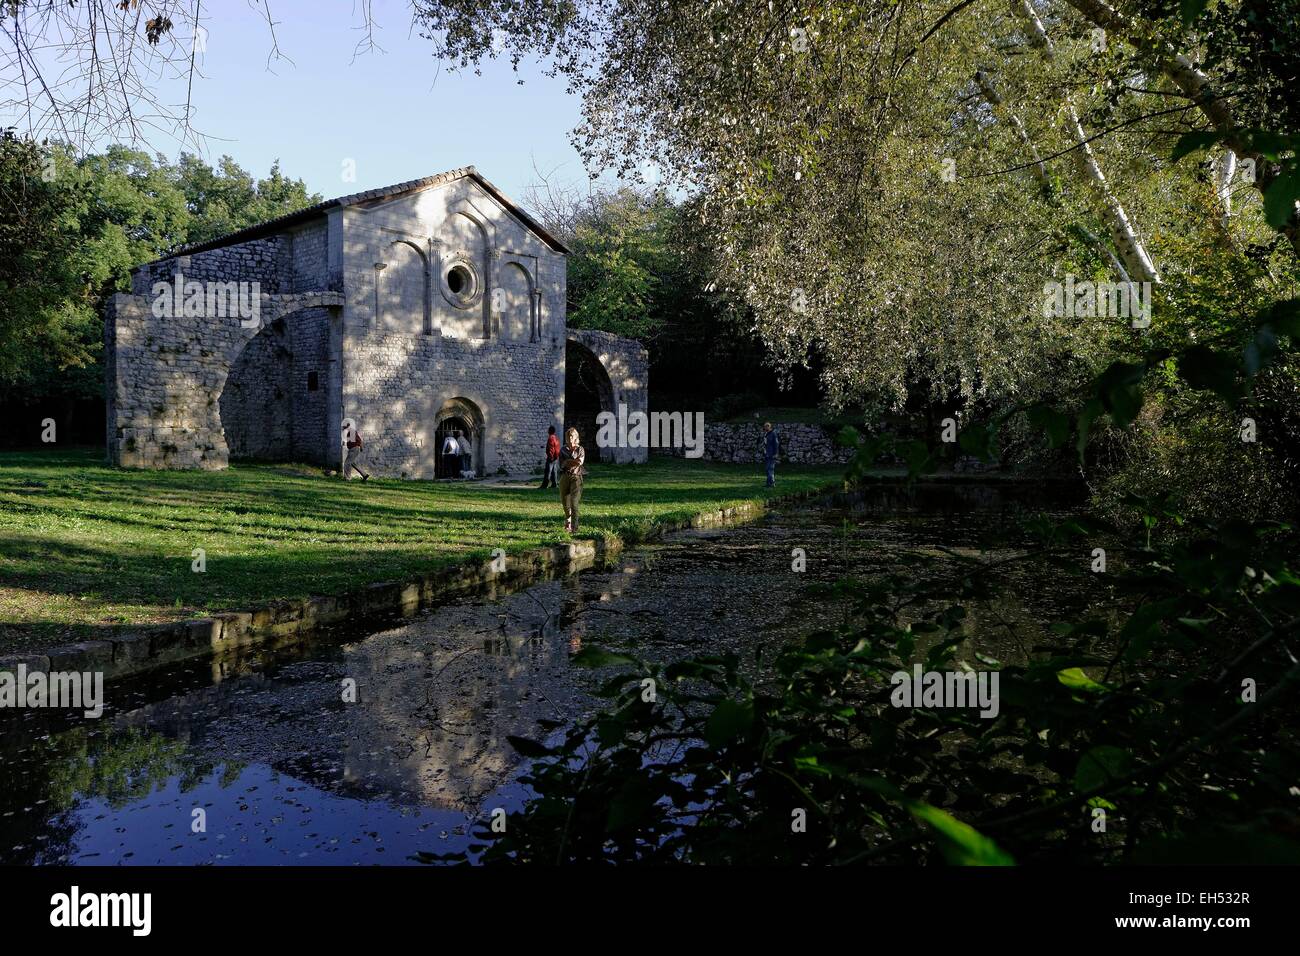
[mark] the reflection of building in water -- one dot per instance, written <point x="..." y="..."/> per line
<point x="486" y="673"/>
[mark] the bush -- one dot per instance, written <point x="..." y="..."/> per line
<point x="1157" y="730"/>
<point x="729" y="406"/>
<point x="1195" y="459"/>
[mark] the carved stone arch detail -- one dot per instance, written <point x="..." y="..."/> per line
<point x="427" y="325"/>
<point x="471" y="284"/>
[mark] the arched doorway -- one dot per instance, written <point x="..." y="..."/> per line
<point x="463" y="416"/>
<point x="587" y="393"/>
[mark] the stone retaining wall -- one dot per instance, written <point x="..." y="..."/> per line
<point x="801" y="443"/>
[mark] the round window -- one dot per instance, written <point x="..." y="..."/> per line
<point x="460" y="281"/>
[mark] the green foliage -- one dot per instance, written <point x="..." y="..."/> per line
<point x="622" y="264"/>
<point x="1136" y="709"/>
<point x="45" y="279"/>
<point x="72" y="228"/>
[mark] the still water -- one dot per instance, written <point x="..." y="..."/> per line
<point x="265" y="753"/>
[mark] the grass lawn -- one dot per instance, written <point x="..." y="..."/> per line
<point x="83" y="545"/>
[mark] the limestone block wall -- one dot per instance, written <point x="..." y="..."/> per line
<point x="308" y="382"/>
<point x="627" y="364"/>
<point x="165" y="376"/>
<point x="309" y="253"/>
<point x="801" y="443"/>
<point x="269" y="262"/>
<point x="394" y="387"/>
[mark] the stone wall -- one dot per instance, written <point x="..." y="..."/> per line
<point x="267" y="262"/>
<point x="394" y="387"/>
<point x="309" y="383"/>
<point x="165" y="377"/>
<point x="626" y="363"/>
<point x="801" y="443"/>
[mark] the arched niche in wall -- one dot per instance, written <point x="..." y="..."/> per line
<point x="514" y="301"/>
<point x="464" y="268"/>
<point x="404" y="285"/>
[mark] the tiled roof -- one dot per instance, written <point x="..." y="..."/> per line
<point x="281" y="223"/>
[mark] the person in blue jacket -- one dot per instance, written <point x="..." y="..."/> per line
<point x="771" y="446"/>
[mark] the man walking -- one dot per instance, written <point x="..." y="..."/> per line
<point x="352" y="441"/>
<point x="551" y="470"/>
<point x="771" y="447"/>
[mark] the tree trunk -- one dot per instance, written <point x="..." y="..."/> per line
<point x="1196" y="86"/>
<point x="1039" y="168"/>
<point x="1131" y="249"/>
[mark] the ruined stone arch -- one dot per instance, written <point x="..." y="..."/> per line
<point x="165" y="377"/>
<point x="255" y="405"/>
<point x="603" y="373"/>
<point x="588" y="391"/>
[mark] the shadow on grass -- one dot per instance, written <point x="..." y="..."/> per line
<point x="83" y="543"/>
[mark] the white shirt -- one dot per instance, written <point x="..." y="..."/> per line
<point x="449" y="447"/>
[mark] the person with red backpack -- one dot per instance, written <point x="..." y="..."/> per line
<point x="352" y="439"/>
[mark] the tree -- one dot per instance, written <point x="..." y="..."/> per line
<point x="72" y="229"/>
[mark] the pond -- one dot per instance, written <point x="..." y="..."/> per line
<point x="262" y="760"/>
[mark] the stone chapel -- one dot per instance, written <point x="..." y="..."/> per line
<point x="430" y="306"/>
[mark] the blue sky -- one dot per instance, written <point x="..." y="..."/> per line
<point x="398" y="113"/>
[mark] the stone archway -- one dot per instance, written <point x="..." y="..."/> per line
<point x="604" y="372"/>
<point x="587" y="392"/>
<point x="464" y="415"/>
<point x="166" y="376"/>
<point x="256" y="405"/>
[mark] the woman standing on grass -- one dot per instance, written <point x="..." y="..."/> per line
<point x="572" y="459"/>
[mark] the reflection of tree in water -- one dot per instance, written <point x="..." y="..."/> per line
<point x="58" y="774"/>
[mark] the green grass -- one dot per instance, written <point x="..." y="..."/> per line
<point x="84" y="546"/>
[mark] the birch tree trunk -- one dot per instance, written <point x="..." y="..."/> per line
<point x="1193" y="83"/>
<point x="1131" y="249"/>
<point x="1039" y="168"/>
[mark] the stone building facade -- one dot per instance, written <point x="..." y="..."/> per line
<point x="420" y="309"/>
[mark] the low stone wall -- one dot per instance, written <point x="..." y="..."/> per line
<point x="145" y="647"/>
<point x="801" y="443"/>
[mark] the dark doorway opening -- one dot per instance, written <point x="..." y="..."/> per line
<point x="587" y="393"/>
<point x="446" y="467"/>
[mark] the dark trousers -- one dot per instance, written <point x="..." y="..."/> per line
<point x="550" y="474"/>
<point x="771" y="472"/>
<point x="570" y="495"/>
